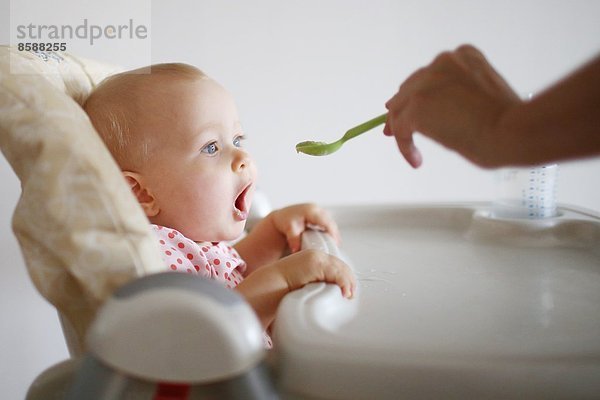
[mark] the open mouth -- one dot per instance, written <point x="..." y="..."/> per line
<point x="242" y="203"/>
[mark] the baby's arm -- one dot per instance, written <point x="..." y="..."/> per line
<point x="264" y="288"/>
<point x="280" y="230"/>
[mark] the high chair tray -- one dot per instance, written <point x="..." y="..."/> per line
<point x="452" y="303"/>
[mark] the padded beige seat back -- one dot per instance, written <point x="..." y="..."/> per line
<point x="80" y="229"/>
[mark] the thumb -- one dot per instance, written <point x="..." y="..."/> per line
<point x="293" y="235"/>
<point x="387" y="131"/>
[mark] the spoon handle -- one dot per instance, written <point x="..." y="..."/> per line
<point x="365" y="126"/>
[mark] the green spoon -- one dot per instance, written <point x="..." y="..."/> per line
<point x="323" y="149"/>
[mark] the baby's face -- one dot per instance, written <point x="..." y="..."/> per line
<point x="199" y="173"/>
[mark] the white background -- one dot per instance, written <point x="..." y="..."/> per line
<point x="310" y="70"/>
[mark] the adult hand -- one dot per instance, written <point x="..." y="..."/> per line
<point x="457" y="100"/>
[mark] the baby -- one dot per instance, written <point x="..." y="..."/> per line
<point x="176" y="135"/>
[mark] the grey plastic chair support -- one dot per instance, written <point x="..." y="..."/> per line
<point x="100" y="376"/>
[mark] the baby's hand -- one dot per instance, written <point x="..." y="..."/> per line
<point x="309" y="266"/>
<point x="293" y="220"/>
<point x="265" y="287"/>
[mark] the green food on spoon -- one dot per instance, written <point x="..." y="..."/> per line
<point x="323" y="149"/>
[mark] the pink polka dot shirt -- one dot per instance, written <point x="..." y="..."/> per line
<point x="216" y="261"/>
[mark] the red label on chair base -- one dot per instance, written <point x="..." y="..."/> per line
<point x="172" y="391"/>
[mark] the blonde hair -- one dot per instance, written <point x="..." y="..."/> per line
<point x="113" y="106"/>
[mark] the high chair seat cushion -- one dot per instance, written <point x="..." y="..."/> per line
<point x="81" y="231"/>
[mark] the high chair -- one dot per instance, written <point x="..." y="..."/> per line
<point x="454" y="300"/>
<point x="83" y="235"/>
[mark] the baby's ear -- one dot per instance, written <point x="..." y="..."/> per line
<point x="142" y="193"/>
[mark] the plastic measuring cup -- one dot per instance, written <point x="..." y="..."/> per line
<point x="526" y="192"/>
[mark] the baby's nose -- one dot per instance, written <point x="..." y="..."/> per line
<point x="241" y="160"/>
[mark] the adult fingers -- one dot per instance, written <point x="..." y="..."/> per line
<point x="409" y="151"/>
<point x="398" y="124"/>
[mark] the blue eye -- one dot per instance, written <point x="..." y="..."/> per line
<point x="210" y="148"/>
<point x="237" y="142"/>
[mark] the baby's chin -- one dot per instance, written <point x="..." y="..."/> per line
<point x="230" y="236"/>
<point x="240" y="233"/>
